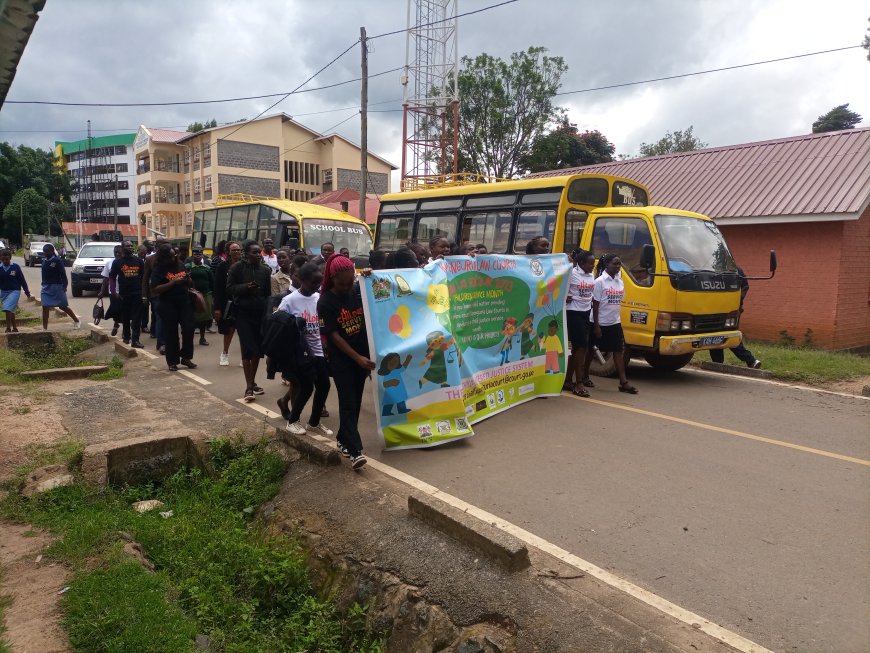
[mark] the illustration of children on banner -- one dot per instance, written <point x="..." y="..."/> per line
<point x="395" y="392"/>
<point x="437" y="346"/>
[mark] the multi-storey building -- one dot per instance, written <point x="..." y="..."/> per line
<point x="178" y="173"/>
<point x="102" y="171"/>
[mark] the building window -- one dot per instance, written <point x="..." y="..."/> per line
<point x="187" y="191"/>
<point x="120" y="167"/>
<point x="186" y="160"/>
<point x="207" y="191"/>
<point x="188" y="218"/>
<point x="196" y="189"/>
<point x="206" y="155"/>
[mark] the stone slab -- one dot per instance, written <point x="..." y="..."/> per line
<point x="493" y="542"/>
<point x="57" y="373"/>
<point x="126" y="351"/>
<point x="736" y="370"/>
<point x="136" y="460"/>
<point x="26" y="339"/>
<point x="318" y="452"/>
<point x="46" y="478"/>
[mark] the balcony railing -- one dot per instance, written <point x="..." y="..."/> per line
<point x="167" y="198"/>
<point x="167" y="166"/>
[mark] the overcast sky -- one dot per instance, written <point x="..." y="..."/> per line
<point x="164" y="50"/>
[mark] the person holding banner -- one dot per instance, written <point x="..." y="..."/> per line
<point x="607" y="297"/>
<point x="578" y="310"/>
<point x="343" y="323"/>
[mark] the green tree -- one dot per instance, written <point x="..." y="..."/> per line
<point x="26" y="167"/>
<point x="504" y="107"/>
<point x="837" y="118"/>
<point x="565" y="147"/>
<point x="195" y="127"/>
<point x="29" y="208"/>
<point x="678" y="141"/>
<point x="867" y="41"/>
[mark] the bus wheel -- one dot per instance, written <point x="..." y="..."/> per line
<point x="667" y="363"/>
<point x="608" y="368"/>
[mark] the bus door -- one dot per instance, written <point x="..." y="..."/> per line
<point x="287" y="232"/>
<point x="572" y="232"/>
<point x="625" y="236"/>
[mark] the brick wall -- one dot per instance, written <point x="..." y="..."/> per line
<point x="250" y="185"/>
<point x="806" y="289"/>
<point x="236" y="154"/>
<point x="378" y="182"/>
<point x="853" y="296"/>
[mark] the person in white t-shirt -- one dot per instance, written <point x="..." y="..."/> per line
<point x="606" y="307"/>
<point x="315" y="377"/>
<point x="579" y="314"/>
<point x="109" y="288"/>
<point x="270" y="257"/>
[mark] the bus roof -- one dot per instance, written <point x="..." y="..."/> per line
<point x="649" y="210"/>
<point x="299" y="209"/>
<point x="499" y="186"/>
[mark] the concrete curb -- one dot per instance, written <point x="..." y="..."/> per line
<point x="65" y="372"/>
<point x="507" y="550"/>
<point x="722" y="368"/>
<point x="319" y="452"/>
<point x="126" y="351"/>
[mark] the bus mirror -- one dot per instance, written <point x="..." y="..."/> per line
<point x="772" y="260"/>
<point x="202" y="239"/>
<point x="648" y="257"/>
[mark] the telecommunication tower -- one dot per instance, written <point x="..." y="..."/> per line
<point x="430" y="90"/>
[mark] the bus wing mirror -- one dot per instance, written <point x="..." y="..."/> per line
<point x="772" y="261"/>
<point x="648" y="257"/>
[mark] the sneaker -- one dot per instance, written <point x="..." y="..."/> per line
<point x="756" y="365"/>
<point x="225" y="360"/>
<point x="77" y="325"/>
<point x="203" y="342"/>
<point x="295" y="428"/>
<point x="320" y="429"/>
<point x="258" y="390"/>
<point x="358" y="461"/>
<point x="342" y="449"/>
<point x="249" y="396"/>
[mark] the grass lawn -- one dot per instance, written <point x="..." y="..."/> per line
<point x="64" y="354"/>
<point x="807" y="365"/>
<point x="217" y="571"/>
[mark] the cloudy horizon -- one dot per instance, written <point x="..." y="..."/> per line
<point x="92" y="51"/>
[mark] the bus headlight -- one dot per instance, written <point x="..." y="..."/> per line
<point x="686" y="325"/>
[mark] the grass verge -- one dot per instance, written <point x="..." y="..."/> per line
<point x="4" y="603"/>
<point x="115" y="371"/>
<point x="806" y="364"/>
<point x="217" y="572"/>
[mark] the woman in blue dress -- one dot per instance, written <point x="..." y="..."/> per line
<point x="12" y="282"/>
<point x="54" y="285"/>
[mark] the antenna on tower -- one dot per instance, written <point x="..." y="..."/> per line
<point x="430" y="89"/>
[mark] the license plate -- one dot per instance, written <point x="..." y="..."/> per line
<point x="710" y="340"/>
<point x="97" y="280"/>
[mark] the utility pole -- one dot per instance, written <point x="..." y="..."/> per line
<point x="116" y="202"/>
<point x="21" y="216"/>
<point x="364" y="123"/>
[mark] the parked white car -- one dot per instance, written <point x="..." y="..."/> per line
<point x="87" y="269"/>
<point x="33" y="255"/>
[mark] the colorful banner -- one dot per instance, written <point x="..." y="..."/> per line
<point x="463" y="339"/>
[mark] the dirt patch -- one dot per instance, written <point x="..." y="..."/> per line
<point x="852" y="387"/>
<point x="33" y="617"/>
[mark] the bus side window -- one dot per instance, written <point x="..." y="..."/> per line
<point x="429" y="226"/>
<point x="624" y="237"/>
<point x="575" y="221"/>
<point x="531" y="224"/>
<point x="490" y="229"/>
<point x="393" y="232"/>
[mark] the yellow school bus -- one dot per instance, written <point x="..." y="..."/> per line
<point x="681" y="287"/>
<point x="295" y="225"/>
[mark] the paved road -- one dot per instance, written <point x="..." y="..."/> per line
<point x="743" y="501"/>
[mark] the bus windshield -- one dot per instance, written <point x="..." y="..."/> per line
<point x="693" y="244"/>
<point x="316" y="232"/>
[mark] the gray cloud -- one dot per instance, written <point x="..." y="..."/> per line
<point x="93" y="50"/>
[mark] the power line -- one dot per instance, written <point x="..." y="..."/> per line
<point x="218" y="101"/>
<point x="704" y="72"/>
<point x="444" y="20"/>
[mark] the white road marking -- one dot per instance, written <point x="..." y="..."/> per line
<point x="146" y="354"/>
<point x="681" y="614"/>
<point x="189" y="375"/>
<point x="772" y="382"/>
<point x="260" y="409"/>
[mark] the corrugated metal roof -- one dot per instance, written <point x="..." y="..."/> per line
<point x="17" y="20"/>
<point x="166" y="135"/>
<point x="814" y="174"/>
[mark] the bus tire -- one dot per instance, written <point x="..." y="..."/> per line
<point x="608" y="369"/>
<point x="667" y="363"/>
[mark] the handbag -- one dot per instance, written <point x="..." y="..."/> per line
<point x="228" y="313"/>
<point x="98" y="312"/>
<point x="199" y="305"/>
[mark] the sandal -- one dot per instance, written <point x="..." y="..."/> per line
<point x="579" y="390"/>
<point x="627" y="387"/>
<point x="587" y="382"/>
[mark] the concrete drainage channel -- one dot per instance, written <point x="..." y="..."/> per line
<point x="44" y="344"/>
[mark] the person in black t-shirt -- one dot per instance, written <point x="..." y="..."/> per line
<point x="127" y="272"/>
<point x="343" y="323"/>
<point x="170" y="282"/>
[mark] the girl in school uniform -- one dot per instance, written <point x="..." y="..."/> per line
<point x="579" y="315"/>
<point x="12" y="282"/>
<point x="54" y="285"/>
<point x="607" y="298"/>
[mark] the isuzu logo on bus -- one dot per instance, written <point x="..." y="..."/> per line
<point x="712" y="285"/>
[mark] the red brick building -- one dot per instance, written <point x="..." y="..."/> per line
<point x="807" y="197"/>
